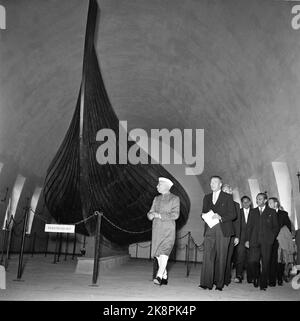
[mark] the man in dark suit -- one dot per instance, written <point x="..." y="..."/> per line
<point x="261" y="232"/>
<point x="234" y="240"/>
<point x="242" y="253"/>
<point x="216" y="238"/>
<point x="277" y="269"/>
<point x="297" y="240"/>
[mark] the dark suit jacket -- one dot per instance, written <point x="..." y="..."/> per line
<point x="237" y="221"/>
<point x="225" y="208"/>
<point x="267" y="232"/>
<point x="283" y="219"/>
<point x="297" y="241"/>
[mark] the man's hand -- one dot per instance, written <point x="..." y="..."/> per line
<point x="247" y="244"/>
<point x="236" y="241"/>
<point x="151" y="216"/>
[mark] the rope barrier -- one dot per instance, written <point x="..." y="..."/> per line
<point x="123" y="230"/>
<point x="76" y="223"/>
<point x="87" y="219"/>
<point x="16" y="223"/>
<point x="37" y="215"/>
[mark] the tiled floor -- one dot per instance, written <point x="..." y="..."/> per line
<point x="43" y="280"/>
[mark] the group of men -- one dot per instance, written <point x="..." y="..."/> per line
<point x="249" y="232"/>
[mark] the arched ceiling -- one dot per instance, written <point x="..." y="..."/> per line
<point x="229" y="67"/>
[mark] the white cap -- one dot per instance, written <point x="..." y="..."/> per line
<point x="165" y="180"/>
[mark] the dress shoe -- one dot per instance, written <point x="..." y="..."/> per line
<point x="164" y="281"/>
<point x="157" y="280"/>
<point x="263" y="289"/>
<point x="218" y="289"/>
<point x="280" y="282"/>
<point x="272" y="284"/>
<point x="255" y="283"/>
<point x="249" y="281"/>
<point x="204" y="287"/>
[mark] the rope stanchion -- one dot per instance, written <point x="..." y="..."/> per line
<point x="97" y="249"/>
<point x="67" y="246"/>
<point x="74" y="246"/>
<point x="11" y="246"/>
<point x="20" y="266"/>
<point x="56" y="249"/>
<point x="59" y="248"/>
<point x="47" y="243"/>
<point x="188" y="255"/>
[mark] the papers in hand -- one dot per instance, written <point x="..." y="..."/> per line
<point x="209" y="220"/>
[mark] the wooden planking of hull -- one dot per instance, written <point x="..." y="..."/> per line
<point x="76" y="185"/>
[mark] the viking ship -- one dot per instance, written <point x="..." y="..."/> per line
<point x="76" y="185"/>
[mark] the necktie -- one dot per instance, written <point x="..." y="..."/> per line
<point x="260" y="210"/>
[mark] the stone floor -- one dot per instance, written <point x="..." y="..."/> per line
<point x="45" y="281"/>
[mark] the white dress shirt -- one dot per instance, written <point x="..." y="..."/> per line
<point x="246" y="213"/>
<point x="261" y="209"/>
<point x="215" y="196"/>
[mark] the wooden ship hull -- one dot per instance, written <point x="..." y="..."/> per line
<point x="76" y="185"/>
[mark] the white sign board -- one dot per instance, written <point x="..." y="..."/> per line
<point x="60" y="228"/>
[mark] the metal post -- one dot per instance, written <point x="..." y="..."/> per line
<point x="47" y="242"/>
<point x="196" y="253"/>
<point x="56" y="248"/>
<point x="59" y="249"/>
<point x="67" y="245"/>
<point x="74" y="246"/>
<point x="188" y="256"/>
<point x="33" y="244"/>
<point x="11" y="243"/>
<point x="20" y="266"/>
<point x="97" y="247"/>
<point x="136" y="250"/>
<point x="84" y="241"/>
<point x="150" y="250"/>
